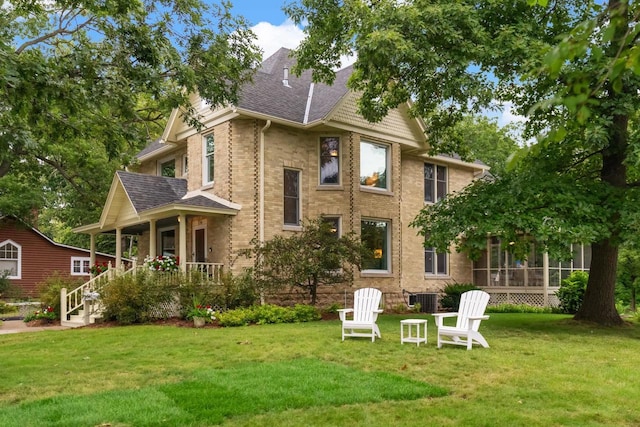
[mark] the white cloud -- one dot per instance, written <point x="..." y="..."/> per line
<point x="273" y="37"/>
<point x="508" y="116"/>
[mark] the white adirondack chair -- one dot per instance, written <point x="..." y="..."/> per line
<point x="366" y="307"/>
<point x="469" y="315"/>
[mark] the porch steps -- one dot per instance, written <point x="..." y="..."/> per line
<point x="78" y="320"/>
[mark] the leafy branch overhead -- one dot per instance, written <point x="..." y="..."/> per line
<point x="84" y="86"/>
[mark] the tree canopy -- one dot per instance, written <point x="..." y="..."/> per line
<point x="84" y="85"/>
<point x="571" y="66"/>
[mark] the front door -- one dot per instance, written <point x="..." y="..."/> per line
<point x="200" y="243"/>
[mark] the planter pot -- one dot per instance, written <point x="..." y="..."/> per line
<point x="198" y="322"/>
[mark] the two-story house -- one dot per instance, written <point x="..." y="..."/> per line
<point x="291" y="149"/>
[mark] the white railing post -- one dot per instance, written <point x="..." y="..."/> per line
<point x="63" y="304"/>
<point x="86" y="307"/>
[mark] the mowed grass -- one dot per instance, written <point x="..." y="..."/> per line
<point x="541" y="370"/>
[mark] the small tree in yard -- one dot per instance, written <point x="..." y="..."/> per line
<point x="313" y="257"/>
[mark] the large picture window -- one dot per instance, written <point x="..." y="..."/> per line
<point x="208" y="159"/>
<point x="375" y="237"/>
<point x="435" y="182"/>
<point x="291" y="197"/>
<point x="329" y="160"/>
<point x="10" y="253"/>
<point x="374" y="165"/>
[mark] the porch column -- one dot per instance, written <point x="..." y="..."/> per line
<point x="118" y="247"/>
<point x="92" y="249"/>
<point x="152" y="238"/>
<point x="182" y="222"/>
<point x="545" y="279"/>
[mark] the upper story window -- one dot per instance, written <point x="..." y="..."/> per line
<point x="185" y="165"/>
<point x="10" y="259"/>
<point x="375" y="235"/>
<point x="291" y="197"/>
<point x="167" y="168"/>
<point x="435" y="182"/>
<point x="208" y="158"/>
<point x="329" y="160"/>
<point x="80" y="266"/>
<point x="374" y="165"/>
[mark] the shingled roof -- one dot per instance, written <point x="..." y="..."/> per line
<point x="297" y="99"/>
<point x="150" y="192"/>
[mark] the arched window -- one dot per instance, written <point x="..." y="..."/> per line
<point x="10" y="259"/>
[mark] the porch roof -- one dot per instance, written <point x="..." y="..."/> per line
<point x="135" y="199"/>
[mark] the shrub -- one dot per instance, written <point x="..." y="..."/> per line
<point x="571" y="291"/>
<point x="517" y="308"/>
<point x="269" y="313"/>
<point x="451" y="299"/>
<point x="49" y="289"/>
<point x="46" y="314"/>
<point x="136" y="298"/>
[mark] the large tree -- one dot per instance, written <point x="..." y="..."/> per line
<point x="571" y="66"/>
<point x="84" y="84"/>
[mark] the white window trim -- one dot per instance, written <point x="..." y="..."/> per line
<point x="339" y="218"/>
<point x="17" y="276"/>
<point x="436" y="274"/>
<point x="388" y="156"/>
<point x="205" y="159"/>
<point x="387" y="248"/>
<point x="81" y="260"/>
<point x="298" y="226"/>
<point x="339" y="183"/>
<point x="185" y="165"/>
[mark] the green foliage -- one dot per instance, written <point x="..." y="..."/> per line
<point x="6" y="308"/>
<point x="307" y="259"/>
<point x="49" y="289"/>
<point x="452" y="293"/>
<point x="517" y="308"/>
<point x="572" y="69"/>
<point x="572" y="290"/>
<point x="85" y="85"/>
<point x="136" y="298"/>
<point x="7" y="290"/>
<point x="228" y="293"/>
<point x="268" y="313"/>
<point x="46" y="313"/>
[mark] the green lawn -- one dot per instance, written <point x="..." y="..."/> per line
<point x="541" y="370"/>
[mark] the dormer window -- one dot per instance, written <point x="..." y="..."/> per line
<point x="167" y="168"/>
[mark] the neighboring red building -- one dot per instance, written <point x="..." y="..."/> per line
<point x="30" y="257"/>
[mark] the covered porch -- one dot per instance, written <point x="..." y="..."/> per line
<point x="168" y="220"/>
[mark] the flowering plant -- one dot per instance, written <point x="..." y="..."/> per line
<point x="47" y="314"/>
<point x="98" y="268"/>
<point x="201" y="310"/>
<point x="161" y="263"/>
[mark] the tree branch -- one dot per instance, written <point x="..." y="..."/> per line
<point x="61" y="30"/>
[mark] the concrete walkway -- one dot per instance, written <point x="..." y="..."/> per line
<point x="15" y="326"/>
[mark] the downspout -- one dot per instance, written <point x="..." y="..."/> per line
<point x="261" y="182"/>
<point x="261" y="193"/>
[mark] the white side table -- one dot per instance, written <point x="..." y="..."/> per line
<point x="413" y="331"/>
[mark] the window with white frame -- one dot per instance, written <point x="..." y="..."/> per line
<point x="291" y="197"/>
<point x="80" y="266"/>
<point x="329" y="160"/>
<point x="208" y="158"/>
<point x="185" y="165"/>
<point x="435" y="263"/>
<point x="435" y="182"/>
<point x="376" y="235"/>
<point x="374" y="165"/>
<point x="10" y="259"/>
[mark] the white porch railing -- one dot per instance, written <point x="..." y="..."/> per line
<point x="210" y="269"/>
<point x="85" y="298"/>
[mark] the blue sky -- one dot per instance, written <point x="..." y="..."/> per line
<point x="274" y="30"/>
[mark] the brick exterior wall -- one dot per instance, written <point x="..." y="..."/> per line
<point x="236" y="178"/>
